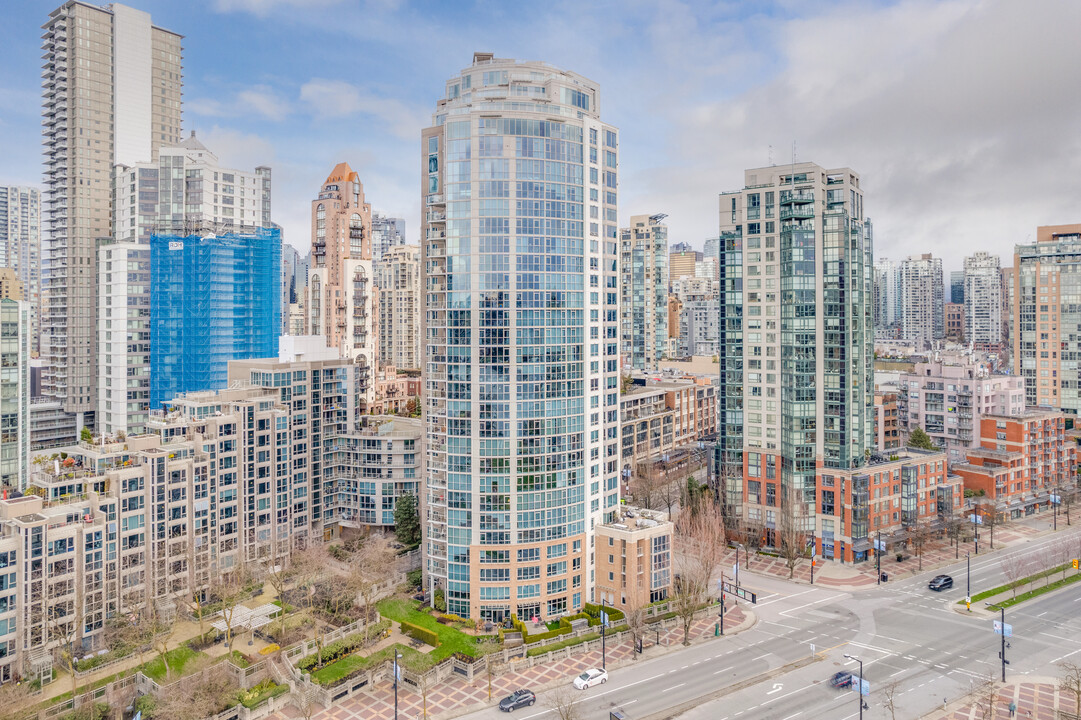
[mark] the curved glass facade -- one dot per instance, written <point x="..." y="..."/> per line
<point x="521" y="346"/>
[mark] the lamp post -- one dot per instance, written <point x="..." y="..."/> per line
<point x="968" y="575"/>
<point x="859" y="691"/>
<point x="739" y="546"/>
<point x="604" y="621"/>
<point x="878" y="557"/>
<point x="397" y="656"/>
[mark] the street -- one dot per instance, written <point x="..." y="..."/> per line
<point x="905" y="634"/>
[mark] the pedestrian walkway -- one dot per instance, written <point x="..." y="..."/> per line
<point x="1033" y="699"/>
<point x="458" y="696"/>
<point x="863" y="575"/>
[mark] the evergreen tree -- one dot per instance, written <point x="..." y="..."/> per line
<point x="407" y="520"/>
<point x="920" y="439"/>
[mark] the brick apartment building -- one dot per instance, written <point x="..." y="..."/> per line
<point x="887" y="428"/>
<point x="634" y="559"/>
<point x="659" y="416"/>
<point x="884" y="499"/>
<point x="1021" y="459"/>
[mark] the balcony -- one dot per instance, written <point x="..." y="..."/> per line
<point x="436" y="199"/>
<point x="797" y="213"/>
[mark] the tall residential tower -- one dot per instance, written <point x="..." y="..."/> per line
<point x="20" y="246"/>
<point x="644" y="288"/>
<point x="519" y="179"/>
<point x="923" y="318"/>
<point x="797" y="376"/>
<point x="983" y="301"/>
<point x="111" y="89"/>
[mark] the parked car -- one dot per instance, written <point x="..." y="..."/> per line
<point x="517" y="699"/>
<point x="940" y="582"/>
<point x="842" y="679"/>
<point x="589" y="678"/>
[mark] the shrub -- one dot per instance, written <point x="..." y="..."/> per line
<point x="429" y="637"/>
<point x="340" y="648"/>
<point x="595" y="611"/>
<point x="439" y="600"/>
<point x="415" y="577"/>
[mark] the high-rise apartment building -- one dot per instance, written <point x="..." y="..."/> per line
<point x="887" y="294"/>
<point x="398" y="275"/>
<point x="111" y="88"/>
<point x="957" y="286"/>
<point x="15" y="316"/>
<point x="213" y="298"/>
<point x="698" y="328"/>
<point x="294" y="282"/>
<point x="947" y="401"/>
<point x="387" y="232"/>
<point x="983" y="301"/>
<point x="20" y="246"/>
<point x="521" y="259"/>
<point x="682" y="261"/>
<point x="643" y="264"/>
<point x="796" y="375"/>
<point x="1046" y="280"/>
<point x="922" y="318"/>
<point x="341" y="301"/>
<point x="184" y="192"/>
<point x="11" y="287"/>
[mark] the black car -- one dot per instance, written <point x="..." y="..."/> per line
<point x="517" y="699"/>
<point x="842" y="679"/>
<point x="941" y="582"/>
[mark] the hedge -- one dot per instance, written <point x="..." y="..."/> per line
<point x="594" y="611"/>
<point x="426" y="636"/>
<point x="341" y="648"/>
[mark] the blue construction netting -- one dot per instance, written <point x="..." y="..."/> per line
<point x="212" y="299"/>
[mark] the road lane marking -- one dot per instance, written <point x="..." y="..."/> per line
<point x="724" y="670"/>
<point x="674" y="687"/>
<point x="1064" y="656"/>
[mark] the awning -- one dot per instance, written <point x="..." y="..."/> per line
<point x="861" y="545"/>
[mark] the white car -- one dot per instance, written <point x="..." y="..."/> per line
<point x="589" y="678"/>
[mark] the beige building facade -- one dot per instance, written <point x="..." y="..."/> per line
<point x="398" y="274"/>
<point x="634" y="559"/>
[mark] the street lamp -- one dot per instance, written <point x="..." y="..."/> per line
<point x="604" y="621"/>
<point x="739" y="546"/>
<point x="859" y="691"/>
<point x="878" y="557"/>
<point x="397" y="656"/>
<point x="968" y="575"/>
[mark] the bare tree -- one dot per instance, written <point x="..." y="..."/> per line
<point x="635" y="615"/>
<point x="920" y="535"/>
<point x="750" y="533"/>
<point x="488" y="649"/>
<point x="1061" y="553"/>
<point x="645" y="486"/>
<point x="700" y="553"/>
<point x="1070" y="682"/>
<point x="15" y="698"/>
<point x="373" y="563"/>
<point x="164" y="627"/>
<point x="229" y="589"/>
<point x="563" y="701"/>
<point x="986" y="697"/>
<point x="791" y="538"/>
<point x="670" y="494"/>
<point x="1014" y="568"/>
<point x="198" y="696"/>
<point x="954" y="528"/>
<point x="195" y="604"/>
<point x="890" y="692"/>
<point x="989" y="513"/>
<point x="1069" y="497"/>
<point x="64" y="623"/>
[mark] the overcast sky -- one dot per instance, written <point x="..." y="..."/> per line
<point x="963" y="117"/>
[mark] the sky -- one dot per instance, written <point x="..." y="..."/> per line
<point x="963" y="117"/>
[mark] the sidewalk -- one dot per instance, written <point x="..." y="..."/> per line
<point x="829" y="573"/>
<point x="458" y="696"/>
<point x="1037" y="698"/>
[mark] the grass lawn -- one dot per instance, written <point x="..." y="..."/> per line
<point x="1023" y="581"/>
<point x="334" y="672"/>
<point x="178" y="657"/>
<point x="238" y="659"/>
<point x="451" y="640"/>
<point x="1035" y="592"/>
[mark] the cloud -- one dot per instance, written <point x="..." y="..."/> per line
<point x="262" y="8"/>
<point x="260" y="100"/>
<point x="337" y="99"/>
<point x="236" y="149"/>
<point x="961" y="118"/>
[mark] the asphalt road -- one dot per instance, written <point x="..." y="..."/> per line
<point x="910" y="639"/>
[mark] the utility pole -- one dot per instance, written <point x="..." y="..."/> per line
<point x="1005" y="662"/>
<point x="859" y="690"/>
<point x="968" y="581"/>
<point x="604" y="621"/>
<point x="878" y="557"/>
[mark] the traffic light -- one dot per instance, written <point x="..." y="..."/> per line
<point x="1075" y="563"/>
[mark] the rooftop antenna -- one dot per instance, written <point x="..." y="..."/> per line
<point x="771" y="156"/>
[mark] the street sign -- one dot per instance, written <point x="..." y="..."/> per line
<point x="814" y="551"/>
<point x="880" y="545"/>
<point x="1056" y="499"/>
<point x="865" y="687"/>
<point x="968" y="600"/>
<point x="1002" y="628"/>
<point x="741" y="593"/>
<point x="977" y="519"/>
<point x="604" y="618"/>
<point x="735" y="568"/>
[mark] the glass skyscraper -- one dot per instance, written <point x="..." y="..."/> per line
<point x="521" y="338"/>
<point x="797" y="337"/>
<point x="213" y="299"/>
